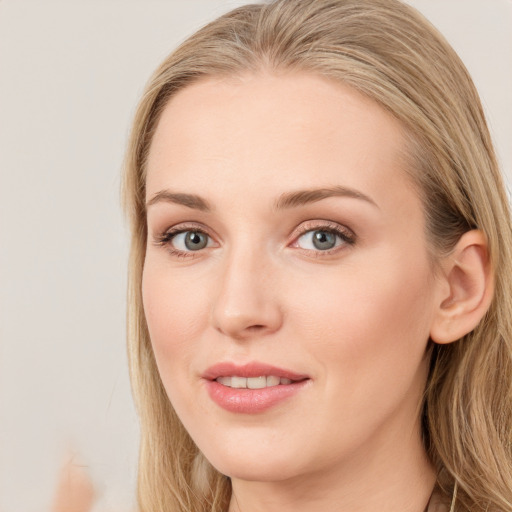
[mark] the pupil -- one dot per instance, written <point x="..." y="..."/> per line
<point x="324" y="240"/>
<point x="195" y="241"/>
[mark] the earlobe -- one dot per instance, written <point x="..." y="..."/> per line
<point x="467" y="289"/>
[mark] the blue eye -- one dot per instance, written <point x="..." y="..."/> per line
<point x="322" y="239"/>
<point x="187" y="241"/>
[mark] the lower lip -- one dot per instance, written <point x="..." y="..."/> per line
<point x="251" y="401"/>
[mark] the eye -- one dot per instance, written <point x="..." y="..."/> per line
<point x="189" y="241"/>
<point x="183" y="241"/>
<point x="319" y="240"/>
<point x="324" y="238"/>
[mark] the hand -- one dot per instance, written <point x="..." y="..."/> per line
<point x="75" y="492"/>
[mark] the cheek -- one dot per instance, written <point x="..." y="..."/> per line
<point x="176" y="312"/>
<point x="366" y="319"/>
<point x="366" y="333"/>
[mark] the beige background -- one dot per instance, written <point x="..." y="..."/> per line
<point x="70" y="76"/>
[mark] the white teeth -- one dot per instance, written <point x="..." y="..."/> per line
<point x="253" y="382"/>
<point x="256" y="382"/>
<point x="238" y="382"/>
<point x="225" y="381"/>
<point x="272" y="380"/>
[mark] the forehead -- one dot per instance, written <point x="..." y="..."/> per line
<point x="267" y="130"/>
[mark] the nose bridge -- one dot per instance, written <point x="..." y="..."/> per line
<point x="246" y="301"/>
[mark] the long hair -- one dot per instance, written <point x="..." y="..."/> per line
<point x="389" y="52"/>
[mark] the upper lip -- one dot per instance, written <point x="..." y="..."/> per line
<point x="253" y="369"/>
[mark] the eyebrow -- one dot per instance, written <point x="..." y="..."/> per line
<point x="189" y="200"/>
<point x="303" y="197"/>
<point x="285" y="201"/>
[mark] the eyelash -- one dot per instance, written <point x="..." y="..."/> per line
<point x="346" y="236"/>
<point x="165" y="239"/>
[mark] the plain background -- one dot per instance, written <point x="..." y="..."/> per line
<point x="70" y="76"/>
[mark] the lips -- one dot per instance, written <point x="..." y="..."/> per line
<point x="250" y="370"/>
<point x="251" y="388"/>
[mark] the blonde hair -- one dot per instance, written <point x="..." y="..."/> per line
<point x="389" y="52"/>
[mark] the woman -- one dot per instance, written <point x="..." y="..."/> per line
<point x="319" y="304"/>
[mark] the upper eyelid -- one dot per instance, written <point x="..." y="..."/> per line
<point x="316" y="225"/>
<point x="187" y="226"/>
<point x="304" y="226"/>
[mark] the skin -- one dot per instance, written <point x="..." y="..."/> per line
<point x="355" y="319"/>
<point x="74" y="492"/>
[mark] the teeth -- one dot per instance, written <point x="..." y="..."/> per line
<point x="273" y="381"/>
<point x="225" y="381"/>
<point x="253" y="382"/>
<point x="256" y="382"/>
<point x="238" y="382"/>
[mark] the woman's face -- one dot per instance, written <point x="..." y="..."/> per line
<point x="287" y="285"/>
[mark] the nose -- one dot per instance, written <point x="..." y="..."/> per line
<point x="246" y="305"/>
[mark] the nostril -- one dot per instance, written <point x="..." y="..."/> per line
<point x="242" y="315"/>
<point x="257" y="327"/>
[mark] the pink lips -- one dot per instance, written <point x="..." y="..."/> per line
<point x="251" y="401"/>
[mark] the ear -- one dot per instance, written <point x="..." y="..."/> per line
<point x="466" y="289"/>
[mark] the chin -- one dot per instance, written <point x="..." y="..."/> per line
<point x="254" y="464"/>
<point x="252" y="471"/>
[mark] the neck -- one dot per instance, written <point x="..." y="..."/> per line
<point x="394" y="476"/>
